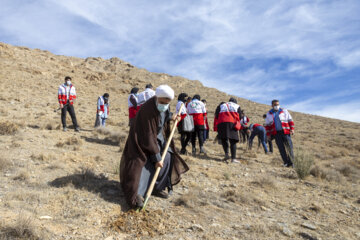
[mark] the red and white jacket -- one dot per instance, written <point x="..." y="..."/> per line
<point x="244" y="121"/>
<point x="287" y="123"/>
<point x="228" y="113"/>
<point x="66" y="93"/>
<point x="197" y="109"/>
<point x="132" y="109"/>
<point x="101" y="105"/>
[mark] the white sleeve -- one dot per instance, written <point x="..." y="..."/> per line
<point x="73" y="91"/>
<point x="268" y="119"/>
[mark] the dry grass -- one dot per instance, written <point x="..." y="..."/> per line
<point x="8" y="128"/>
<point x="265" y="182"/>
<point x="302" y="163"/>
<point x="70" y="141"/>
<point x="4" y="163"/>
<point x="22" y="176"/>
<point x="23" y="228"/>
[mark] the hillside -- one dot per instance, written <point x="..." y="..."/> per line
<point x="65" y="185"/>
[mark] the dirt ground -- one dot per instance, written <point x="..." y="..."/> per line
<point x="65" y="185"/>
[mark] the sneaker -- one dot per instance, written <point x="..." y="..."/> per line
<point x="288" y="165"/>
<point x="64" y="129"/>
<point x="77" y="129"/>
<point x="139" y="201"/>
<point x="226" y="158"/>
<point x="183" y="151"/>
<point x="235" y="161"/>
<point x="193" y="151"/>
<point x="161" y="194"/>
<point x="202" y="150"/>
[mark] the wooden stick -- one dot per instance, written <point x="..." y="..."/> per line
<point x="153" y="181"/>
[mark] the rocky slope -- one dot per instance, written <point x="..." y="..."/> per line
<point x="65" y="185"/>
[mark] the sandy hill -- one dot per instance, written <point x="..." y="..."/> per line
<point x="65" y="185"/>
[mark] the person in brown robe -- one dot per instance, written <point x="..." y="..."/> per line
<point x="144" y="146"/>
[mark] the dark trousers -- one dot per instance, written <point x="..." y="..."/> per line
<point x="68" y="108"/>
<point x="244" y="135"/>
<point x="185" y="138"/>
<point x="200" y="134"/>
<point x="206" y="134"/>
<point x="261" y="133"/>
<point x="271" y="148"/>
<point x="284" y="143"/>
<point x="225" y="145"/>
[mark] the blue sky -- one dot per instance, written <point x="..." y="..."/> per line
<point x="305" y="53"/>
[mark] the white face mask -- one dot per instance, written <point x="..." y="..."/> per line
<point x="276" y="108"/>
<point x="68" y="82"/>
<point x="162" y="107"/>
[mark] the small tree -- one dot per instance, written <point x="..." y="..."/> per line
<point x="302" y="163"/>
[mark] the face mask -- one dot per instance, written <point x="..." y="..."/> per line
<point x="68" y="83"/>
<point x="276" y="108"/>
<point x="162" y="107"/>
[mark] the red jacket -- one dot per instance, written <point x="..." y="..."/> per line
<point x="287" y="123"/>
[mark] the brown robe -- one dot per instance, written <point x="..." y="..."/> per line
<point x="141" y="143"/>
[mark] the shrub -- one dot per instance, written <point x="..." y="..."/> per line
<point x="302" y="163"/>
<point x="8" y="128"/>
<point x="4" y="163"/>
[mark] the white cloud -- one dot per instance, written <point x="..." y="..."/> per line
<point x="195" y="38"/>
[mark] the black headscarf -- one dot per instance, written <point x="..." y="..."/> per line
<point x="233" y="100"/>
<point x="182" y="97"/>
<point x="197" y="96"/>
<point x="134" y="90"/>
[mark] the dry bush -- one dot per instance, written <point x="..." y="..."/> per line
<point x="22" y="176"/>
<point x="265" y="182"/>
<point x="318" y="172"/>
<point x="50" y="126"/>
<point x="227" y="176"/>
<point x="70" y="141"/>
<point x="303" y="163"/>
<point x="74" y="141"/>
<point x="192" y="199"/>
<point x="40" y="157"/>
<point x="23" y="228"/>
<point x="8" y="128"/>
<point x="4" y="163"/>
<point x="346" y="171"/>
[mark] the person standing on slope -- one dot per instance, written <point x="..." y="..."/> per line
<point x="66" y="97"/>
<point x="279" y="124"/>
<point x="102" y="112"/>
<point x="133" y="104"/>
<point x="184" y="135"/>
<point x="207" y="129"/>
<point x="197" y="109"/>
<point x="146" y="94"/>
<point x="226" y="117"/>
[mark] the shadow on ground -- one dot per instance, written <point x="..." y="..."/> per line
<point x="105" y="141"/>
<point x="109" y="190"/>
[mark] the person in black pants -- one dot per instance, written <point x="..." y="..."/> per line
<point x="226" y="115"/>
<point x="69" y="108"/>
<point x="184" y="136"/>
<point x="66" y="97"/>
